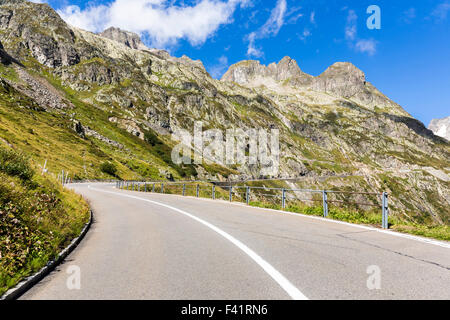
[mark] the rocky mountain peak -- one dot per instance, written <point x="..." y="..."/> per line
<point x="346" y="69"/>
<point x="342" y="79"/>
<point x="248" y="71"/>
<point x="441" y="127"/>
<point x="37" y="29"/>
<point x="285" y="69"/>
<point x="130" y="39"/>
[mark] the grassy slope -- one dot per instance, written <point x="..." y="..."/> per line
<point x="37" y="218"/>
<point x="49" y="136"/>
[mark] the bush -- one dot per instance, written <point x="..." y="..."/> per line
<point x="151" y="138"/>
<point x="331" y="117"/>
<point x="15" y="164"/>
<point x="108" y="168"/>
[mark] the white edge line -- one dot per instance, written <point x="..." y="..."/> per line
<point x="389" y="232"/>
<point x="284" y="283"/>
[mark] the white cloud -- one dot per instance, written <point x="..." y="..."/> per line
<point x="350" y="28"/>
<point x="368" y="46"/>
<point x="93" y="18"/>
<point x="312" y="17"/>
<point x="275" y="21"/>
<point x="409" y="15"/>
<point x="252" y="50"/>
<point x="441" y="11"/>
<point x="293" y="14"/>
<point x="306" y="33"/>
<point x="270" y="28"/>
<point x="158" y="20"/>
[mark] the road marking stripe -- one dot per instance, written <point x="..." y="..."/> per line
<point x="302" y="215"/>
<point x="284" y="283"/>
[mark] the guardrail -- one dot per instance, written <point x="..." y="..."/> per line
<point x="244" y="193"/>
<point x="92" y="181"/>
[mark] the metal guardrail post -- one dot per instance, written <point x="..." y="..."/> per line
<point x="145" y="187"/>
<point x="247" y="195"/>
<point x="231" y="193"/>
<point x="385" y="211"/>
<point x="139" y="187"/>
<point x="325" y="204"/>
<point x="283" y="198"/>
<point x="153" y="189"/>
<point x="198" y="187"/>
<point x="162" y="187"/>
<point x="184" y="189"/>
<point x="213" y="193"/>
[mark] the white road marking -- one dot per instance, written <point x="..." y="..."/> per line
<point x="389" y="232"/>
<point x="301" y="215"/>
<point x="284" y="283"/>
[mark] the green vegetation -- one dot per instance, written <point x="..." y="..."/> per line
<point x="331" y="117"/>
<point x="38" y="218"/>
<point x="48" y="135"/>
<point x="371" y="218"/>
<point x="15" y="165"/>
<point x="109" y="168"/>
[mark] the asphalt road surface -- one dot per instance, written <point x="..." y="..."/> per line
<point x="155" y="246"/>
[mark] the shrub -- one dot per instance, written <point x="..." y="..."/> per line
<point x="108" y="168"/>
<point x="331" y="117"/>
<point x="15" y="164"/>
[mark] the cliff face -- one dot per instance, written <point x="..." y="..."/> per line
<point x="249" y="72"/>
<point x="130" y="39"/>
<point x="336" y="130"/>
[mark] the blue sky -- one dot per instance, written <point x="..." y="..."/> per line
<point x="408" y="59"/>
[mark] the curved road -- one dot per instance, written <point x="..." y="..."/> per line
<point x="155" y="246"/>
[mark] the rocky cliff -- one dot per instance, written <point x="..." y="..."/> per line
<point x="336" y="130"/>
<point x="130" y="39"/>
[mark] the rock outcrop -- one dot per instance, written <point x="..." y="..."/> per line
<point x="53" y="46"/>
<point x="251" y="72"/>
<point x="130" y="39"/>
<point x="342" y="79"/>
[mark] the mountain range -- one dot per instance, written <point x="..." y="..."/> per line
<point x="77" y="100"/>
